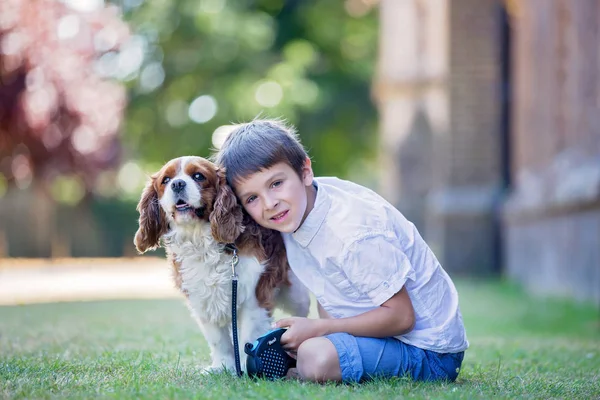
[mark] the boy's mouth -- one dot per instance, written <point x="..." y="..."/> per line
<point x="279" y="217"/>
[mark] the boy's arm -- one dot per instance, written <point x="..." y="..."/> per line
<point x="322" y="313"/>
<point x="394" y="317"/>
<point x="384" y="283"/>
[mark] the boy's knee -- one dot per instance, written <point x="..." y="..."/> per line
<point x="318" y="361"/>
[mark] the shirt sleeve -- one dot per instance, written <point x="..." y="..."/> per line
<point x="377" y="266"/>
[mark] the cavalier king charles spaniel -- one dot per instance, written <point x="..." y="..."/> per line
<point x="188" y="207"/>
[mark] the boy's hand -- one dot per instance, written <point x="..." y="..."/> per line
<point x="299" y="329"/>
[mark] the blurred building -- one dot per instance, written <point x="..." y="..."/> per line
<point x="490" y="140"/>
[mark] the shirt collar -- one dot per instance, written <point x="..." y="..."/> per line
<point x="309" y="228"/>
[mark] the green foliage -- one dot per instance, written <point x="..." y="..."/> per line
<point x="117" y="223"/>
<point x="312" y="54"/>
<point x="520" y="348"/>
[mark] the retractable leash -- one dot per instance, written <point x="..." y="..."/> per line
<point x="266" y="357"/>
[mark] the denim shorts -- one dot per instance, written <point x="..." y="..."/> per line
<point x="363" y="358"/>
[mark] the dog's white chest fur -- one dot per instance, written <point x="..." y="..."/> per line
<point x="206" y="275"/>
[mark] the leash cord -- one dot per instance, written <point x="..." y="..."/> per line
<point x="236" y="348"/>
<point x="234" y="333"/>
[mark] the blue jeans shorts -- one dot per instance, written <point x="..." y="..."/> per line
<point x="363" y="358"/>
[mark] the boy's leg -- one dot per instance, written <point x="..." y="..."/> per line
<point x="361" y="358"/>
<point x="317" y="361"/>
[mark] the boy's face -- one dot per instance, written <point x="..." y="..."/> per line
<point x="277" y="198"/>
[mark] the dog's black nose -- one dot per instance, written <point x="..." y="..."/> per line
<point x="178" y="185"/>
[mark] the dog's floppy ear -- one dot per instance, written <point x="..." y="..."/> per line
<point x="153" y="222"/>
<point x="226" y="217"/>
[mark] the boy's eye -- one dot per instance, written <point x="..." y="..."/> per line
<point x="250" y="199"/>
<point x="198" y="177"/>
<point x="276" y="184"/>
<point x="165" y="180"/>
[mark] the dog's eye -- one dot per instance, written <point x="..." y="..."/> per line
<point x="198" y="177"/>
<point x="165" y="180"/>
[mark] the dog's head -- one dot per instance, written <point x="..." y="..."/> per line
<point x="187" y="191"/>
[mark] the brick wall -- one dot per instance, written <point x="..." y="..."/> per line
<point x="552" y="218"/>
<point x="467" y="178"/>
<point x="527" y="203"/>
<point x="437" y="89"/>
<point x="410" y="89"/>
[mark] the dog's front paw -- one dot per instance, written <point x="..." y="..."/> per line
<point x="219" y="367"/>
<point x="213" y="370"/>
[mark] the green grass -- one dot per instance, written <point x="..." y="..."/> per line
<point x="520" y="348"/>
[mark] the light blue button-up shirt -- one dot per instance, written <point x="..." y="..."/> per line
<point x="354" y="251"/>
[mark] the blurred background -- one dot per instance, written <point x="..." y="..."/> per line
<point x="478" y="119"/>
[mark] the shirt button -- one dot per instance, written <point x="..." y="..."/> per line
<point x="386" y="285"/>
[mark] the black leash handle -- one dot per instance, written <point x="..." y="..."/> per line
<point x="234" y="282"/>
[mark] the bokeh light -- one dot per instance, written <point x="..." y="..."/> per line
<point x="105" y="184"/>
<point x="131" y="58"/>
<point x="84" y="5"/>
<point x="131" y="178"/>
<point x="220" y="135"/>
<point x="68" y="190"/>
<point x="12" y="43"/>
<point x="21" y="171"/>
<point x="304" y="92"/>
<point x="257" y="31"/>
<point x="68" y="27"/>
<point x="176" y="113"/>
<point x="3" y="185"/>
<point x="152" y="77"/>
<point x="211" y="6"/>
<point x="300" y="54"/>
<point x="52" y="137"/>
<point x="203" y="109"/>
<point x="106" y="66"/>
<point x="106" y="39"/>
<point x="359" y="8"/>
<point x="284" y="73"/>
<point x="269" y="94"/>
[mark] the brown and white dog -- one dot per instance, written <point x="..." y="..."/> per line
<point x="190" y="208"/>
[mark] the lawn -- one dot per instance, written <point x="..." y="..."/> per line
<point x="520" y="347"/>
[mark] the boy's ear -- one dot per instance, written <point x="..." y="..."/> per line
<point x="307" y="172"/>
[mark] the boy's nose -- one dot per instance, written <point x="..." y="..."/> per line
<point x="271" y="203"/>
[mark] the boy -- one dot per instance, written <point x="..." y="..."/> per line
<point x="387" y="307"/>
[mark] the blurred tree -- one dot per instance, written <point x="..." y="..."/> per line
<point x="57" y="115"/>
<point x="209" y="63"/>
<point x="191" y="68"/>
<point x="59" y="119"/>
